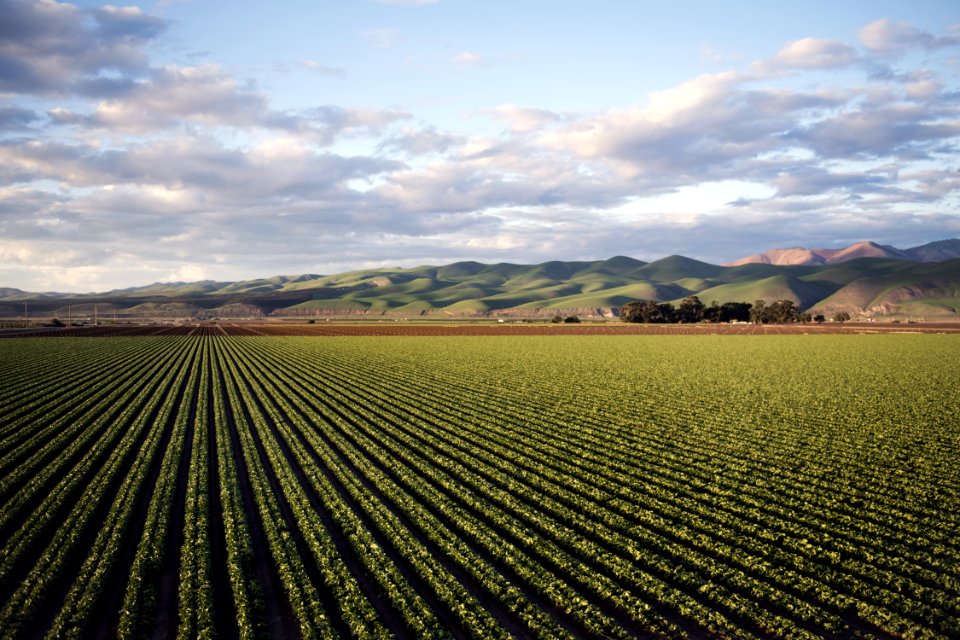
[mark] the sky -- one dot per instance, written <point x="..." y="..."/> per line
<point x="184" y="140"/>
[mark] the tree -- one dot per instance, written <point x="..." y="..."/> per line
<point x="630" y="312"/>
<point x="841" y="316"/>
<point x="691" y="310"/>
<point x="712" y="313"/>
<point x="648" y="311"/>
<point x="818" y="318"/>
<point x="735" y="312"/>
<point x="661" y="312"/>
<point x="779" y="312"/>
<point x="572" y="320"/>
<point x="782" y="312"/>
<point x="557" y="319"/>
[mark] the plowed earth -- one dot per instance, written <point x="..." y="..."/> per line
<point x="478" y="329"/>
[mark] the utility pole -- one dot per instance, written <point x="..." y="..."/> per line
<point x="95" y="321"/>
<point x="26" y="316"/>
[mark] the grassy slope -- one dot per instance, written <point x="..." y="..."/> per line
<point x="778" y="287"/>
<point x="895" y="287"/>
<point x="473" y="288"/>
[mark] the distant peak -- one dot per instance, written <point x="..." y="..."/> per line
<point x="862" y="249"/>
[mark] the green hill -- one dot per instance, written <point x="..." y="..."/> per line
<point x="673" y="268"/>
<point x="865" y="286"/>
<point x="907" y="289"/>
<point x="777" y="287"/>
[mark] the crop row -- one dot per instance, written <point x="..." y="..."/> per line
<point x="557" y="487"/>
<point x="515" y="489"/>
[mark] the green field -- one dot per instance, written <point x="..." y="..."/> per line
<point x="556" y="486"/>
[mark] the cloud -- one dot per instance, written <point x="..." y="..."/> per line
<point x="707" y="128"/>
<point x="380" y="38"/>
<point x="128" y="22"/>
<point x="418" y="142"/>
<point x="466" y="59"/>
<point x="171" y="95"/>
<point x="923" y="88"/>
<point x="524" y="118"/>
<point x="276" y="168"/>
<point x="312" y="66"/>
<point x="711" y="54"/>
<point x="176" y="172"/>
<point x="810" y="181"/>
<point x="207" y="96"/>
<point x="322" y="69"/>
<point x="814" y="53"/>
<point x="187" y="273"/>
<point x="511" y="176"/>
<point x="49" y="47"/>
<point x="357" y="118"/>
<point x="888" y="37"/>
<point x="933" y="184"/>
<point x="15" y="118"/>
<point x="909" y="131"/>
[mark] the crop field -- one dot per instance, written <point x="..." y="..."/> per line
<point x="575" y="486"/>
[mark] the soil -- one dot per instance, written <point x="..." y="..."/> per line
<point x="484" y="329"/>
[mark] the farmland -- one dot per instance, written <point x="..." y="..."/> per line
<point x="581" y="486"/>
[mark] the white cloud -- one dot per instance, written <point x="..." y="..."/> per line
<point x="687" y="116"/>
<point x="466" y="59"/>
<point x="678" y="102"/>
<point x="886" y="36"/>
<point x="815" y="53"/>
<point x="206" y="96"/>
<point x="187" y="273"/>
<point x="203" y="94"/>
<point x="923" y="89"/>
<point x="524" y="118"/>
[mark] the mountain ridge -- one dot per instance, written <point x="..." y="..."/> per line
<point x="936" y="251"/>
<point x="863" y="286"/>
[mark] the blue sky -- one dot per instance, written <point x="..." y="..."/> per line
<point x="182" y="140"/>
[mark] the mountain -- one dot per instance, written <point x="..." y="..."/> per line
<point x="935" y="251"/>
<point x="932" y="252"/>
<point x="863" y="286"/>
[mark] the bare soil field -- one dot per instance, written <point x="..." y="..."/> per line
<point x="333" y="329"/>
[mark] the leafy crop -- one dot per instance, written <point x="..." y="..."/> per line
<point x="607" y="486"/>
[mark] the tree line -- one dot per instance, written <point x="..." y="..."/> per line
<point x="692" y="310"/>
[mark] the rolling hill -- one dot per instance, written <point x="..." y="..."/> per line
<point x="864" y="286"/>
